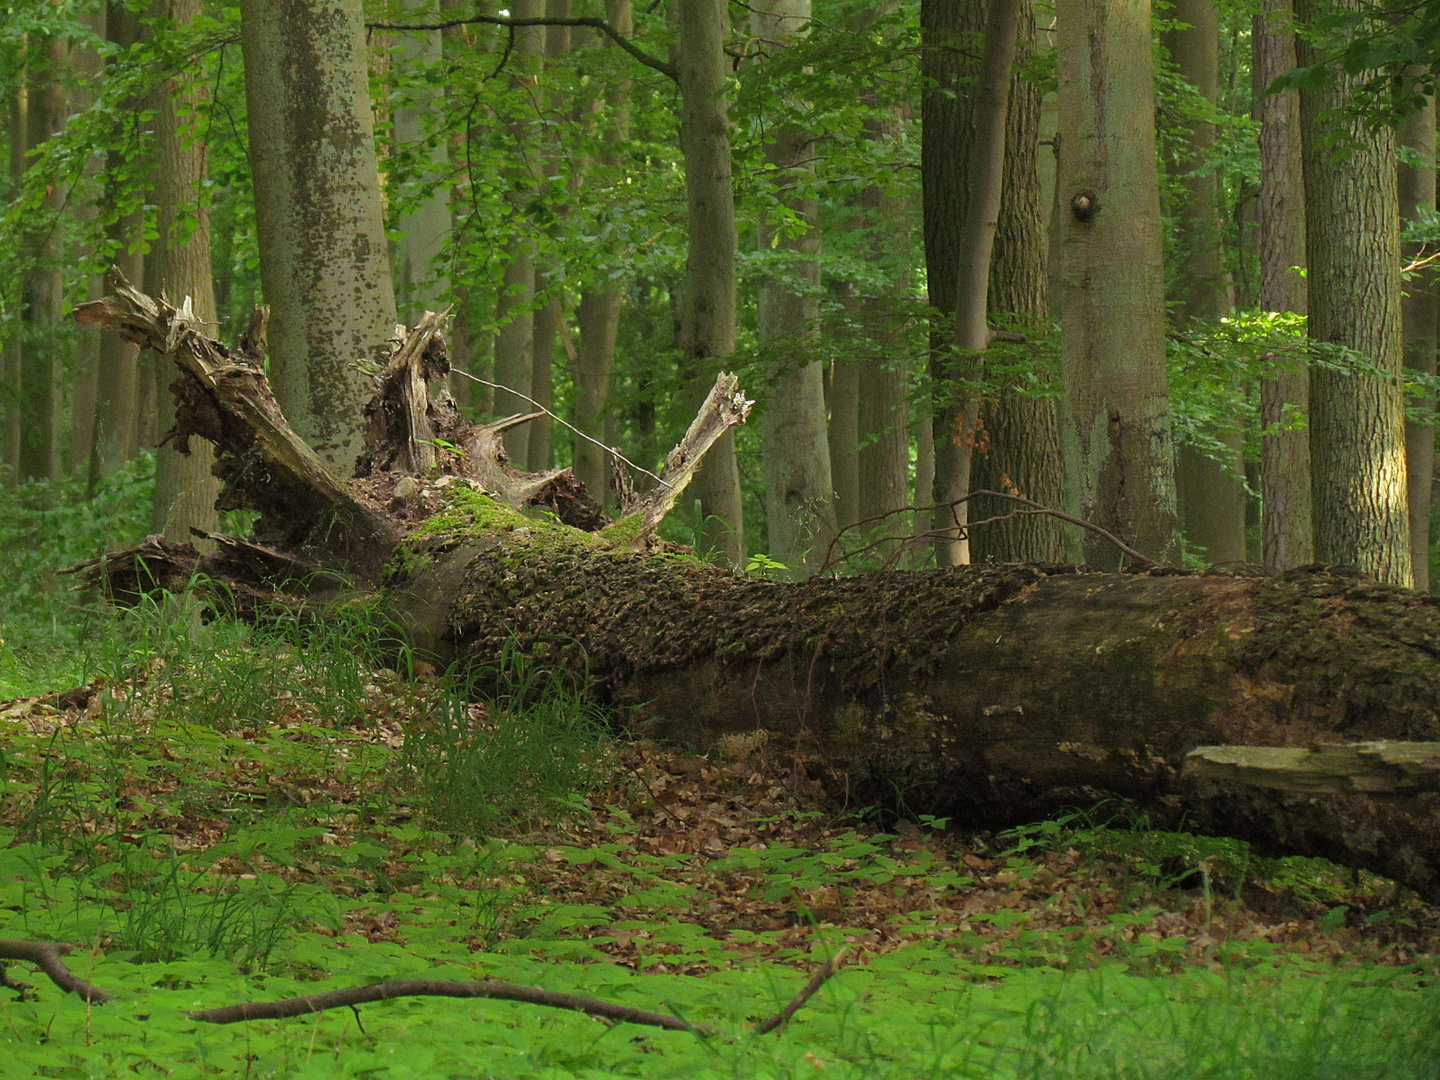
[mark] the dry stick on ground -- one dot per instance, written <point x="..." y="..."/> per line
<point x="1033" y="508"/>
<point x="806" y="993"/>
<point x="45" y="955"/>
<point x="489" y="988"/>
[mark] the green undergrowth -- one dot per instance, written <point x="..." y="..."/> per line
<point x="218" y="813"/>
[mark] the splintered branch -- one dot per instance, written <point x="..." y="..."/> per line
<point x="822" y="974"/>
<point x="489" y="988"/>
<point x="724" y="407"/>
<point x="45" y="955"/>
<point x="223" y="396"/>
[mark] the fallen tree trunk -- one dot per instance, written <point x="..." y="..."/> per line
<point x="988" y="694"/>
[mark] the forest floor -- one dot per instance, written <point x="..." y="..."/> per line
<point x="221" y="815"/>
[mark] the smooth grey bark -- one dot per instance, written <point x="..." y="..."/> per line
<point x="707" y="332"/>
<point x="1115" y="421"/>
<point x="421" y="282"/>
<point x="514" y="309"/>
<point x="179" y="262"/>
<point x="19" y="139"/>
<point x="985" y="174"/>
<point x="1357" y="428"/>
<point x="42" y="370"/>
<point x="1211" y="493"/>
<point x="549" y="322"/>
<point x="1418" y="307"/>
<point x="324" y="257"/>
<point x="799" y="488"/>
<point x="843" y="403"/>
<point x="87" y="65"/>
<point x="1286" y="526"/>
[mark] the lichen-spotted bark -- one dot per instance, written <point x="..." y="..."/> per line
<point x="324" y="260"/>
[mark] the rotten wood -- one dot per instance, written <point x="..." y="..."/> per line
<point x="1375" y="767"/>
<point x="223" y="396"/>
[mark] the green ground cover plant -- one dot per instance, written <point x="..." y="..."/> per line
<point x="216" y="813"/>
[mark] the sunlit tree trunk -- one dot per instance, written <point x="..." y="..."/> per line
<point x="179" y="261"/>
<point x="514" y="310"/>
<point x="1357" y="430"/>
<point x="1211" y="493"/>
<point x="1287" y="533"/>
<point x="707" y="333"/>
<point x="1115" y="419"/>
<point x="324" y="259"/>
<point x="799" y="491"/>
<point x="1416" y="183"/>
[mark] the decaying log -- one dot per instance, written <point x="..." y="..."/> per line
<point x="991" y="694"/>
<point x="1375" y="767"/>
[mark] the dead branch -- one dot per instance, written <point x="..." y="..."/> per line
<point x="822" y="974"/>
<point x="400" y="434"/>
<point x="1381" y="767"/>
<point x="1033" y="508"/>
<point x="489" y="988"/>
<point x="223" y="396"/>
<point x="45" y="955"/>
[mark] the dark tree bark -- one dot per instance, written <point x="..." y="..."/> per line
<point x="991" y="694"/>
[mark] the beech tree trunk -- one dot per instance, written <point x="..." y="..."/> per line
<point x="799" y="487"/>
<point x="1211" y="494"/>
<point x="1287" y="531"/>
<point x="990" y="694"/>
<point x="324" y="257"/>
<point x="185" y="489"/>
<point x="707" y="334"/>
<point x="1115" y="422"/>
<point x="19" y="139"/>
<point x="420" y="282"/>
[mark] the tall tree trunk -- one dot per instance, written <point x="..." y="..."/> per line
<point x="1357" y="430"/>
<point x="707" y="335"/>
<point x="19" y="138"/>
<point x="883" y="427"/>
<point x="88" y="65"/>
<point x="118" y="376"/>
<point x="179" y="260"/>
<point x="548" y="324"/>
<point x="514" y="310"/>
<point x="984" y="177"/>
<point x="1115" y="421"/>
<point x="43" y="365"/>
<point x="598" y="314"/>
<point x="421" y="282"/>
<point x="1416" y="184"/>
<point x="844" y="439"/>
<point x="1211" y="493"/>
<point x="1287" y="532"/>
<point x="324" y="258"/>
<point x="1023" y="431"/>
<point x="799" y="489"/>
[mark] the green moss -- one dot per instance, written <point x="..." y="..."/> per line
<point x="622" y="533"/>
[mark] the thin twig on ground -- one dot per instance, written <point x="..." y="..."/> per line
<point x="45" y="955"/>
<point x="817" y="980"/>
<point x="489" y="988"/>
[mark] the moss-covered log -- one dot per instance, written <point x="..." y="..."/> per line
<point x="989" y="694"/>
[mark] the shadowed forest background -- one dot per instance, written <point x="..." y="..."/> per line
<point x="1052" y="393"/>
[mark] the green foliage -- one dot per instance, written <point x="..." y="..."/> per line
<point x="526" y="755"/>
